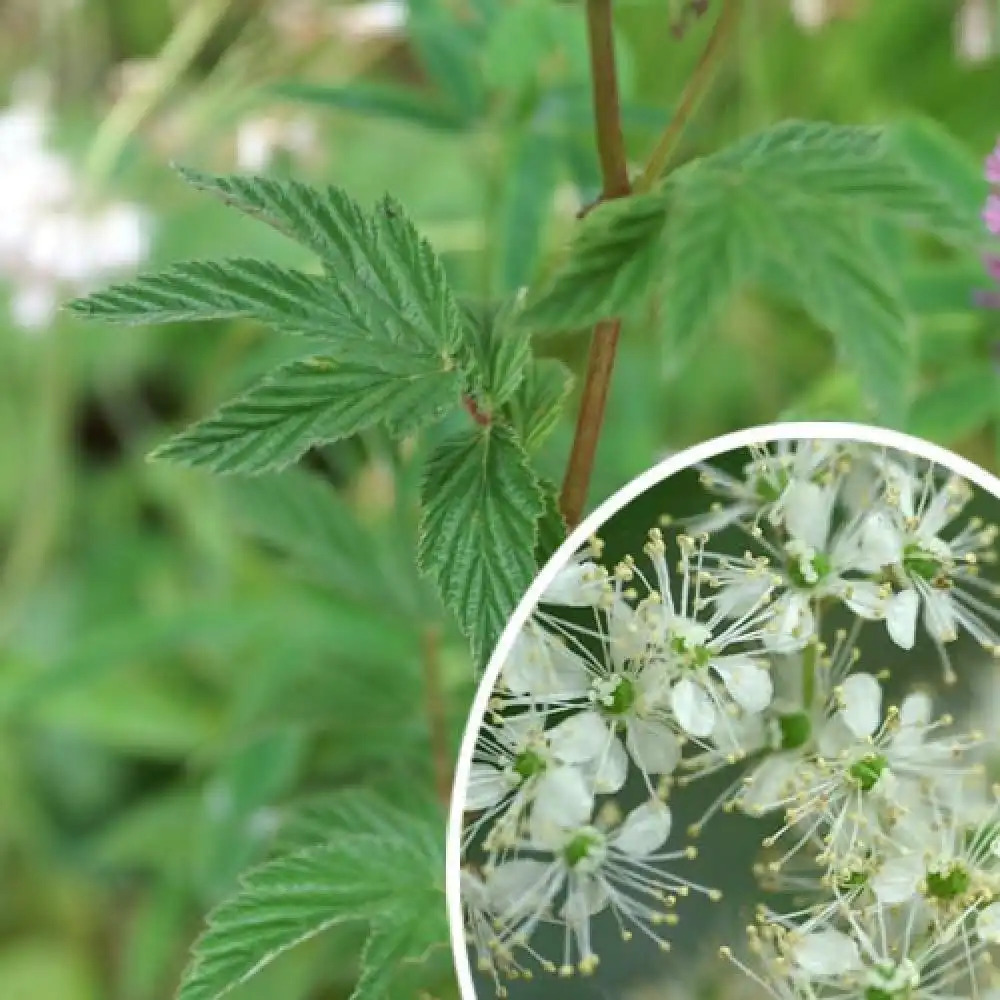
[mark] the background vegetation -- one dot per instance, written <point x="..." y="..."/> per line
<point x="184" y="659"/>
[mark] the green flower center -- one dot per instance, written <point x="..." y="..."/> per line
<point x="920" y="562"/>
<point x="770" y="490"/>
<point x="584" y="845"/>
<point x="852" y="880"/>
<point x="820" y="565"/>
<point x="893" y="982"/>
<point x="876" y="993"/>
<point x="795" y="730"/>
<point x="693" y="656"/>
<point x="528" y="763"/>
<point x="950" y="883"/>
<point x="621" y="698"/>
<point x="868" y="770"/>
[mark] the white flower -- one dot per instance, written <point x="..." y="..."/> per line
<point x="763" y="491"/>
<point x="50" y="243"/>
<point x="622" y="693"/>
<point x="579" y="866"/>
<point x="259" y="139"/>
<point x="517" y="762"/>
<point x="580" y="583"/>
<point x="541" y="666"/>
<point x="940" y="574"/>
<point x="710" y="665"/>
<point x="826" y="953"/>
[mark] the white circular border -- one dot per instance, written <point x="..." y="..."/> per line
<point x="818" y="430"/>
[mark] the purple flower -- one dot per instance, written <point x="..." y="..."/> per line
<point x="991" y="214"/>
<point x="991" y="217"/>
<point x="993" y="165"/>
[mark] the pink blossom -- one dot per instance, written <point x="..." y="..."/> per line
<point x="991" y="214"/>
<point x="993" y="165"/>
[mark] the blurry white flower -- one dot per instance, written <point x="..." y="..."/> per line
<point x="811" y="15"/>
<point x="369" y="20"/>
<point x="259" y="139"/>
<point x="51" y="243"/>
<point x="976" y="31"/>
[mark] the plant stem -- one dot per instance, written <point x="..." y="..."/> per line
<point x="809" y="657"/>
<point x="437" y="716"/>
<point x="614" y="184"/>
<point x="694" y="90"/>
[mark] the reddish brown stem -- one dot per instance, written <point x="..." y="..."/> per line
<point x="614" y="184"/>
<point x="481" y="417"/>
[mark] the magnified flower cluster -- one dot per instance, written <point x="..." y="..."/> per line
<point x="631" y="682"/>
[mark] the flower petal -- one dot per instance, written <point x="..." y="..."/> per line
<point x="645" y="829"/>
<point x="746" y="680"/>
<point x="901" y="617"/>
<point x="881" y="543"/>
<point x="654" y="747"/>
<point x="827" y="953"/>
<point x="792" y="623"/>
<point x="861" y="704"/>
<point x="578" y="584"/>
<point x="898" y="879"/>
<point x="770" y="784"/>
<point x="807" y="510"/>
<point x="939" y="617"/>
<point x="693" y="708"/>
<point x="607" y="772"/>
<point x="538" y="664"/>
<point x="564" y="801"/>
<point x="916" y="709"/>
<point x="519" y="887"/>
<point x="579" y="738"/>
<point x="487" y="786"/>
<point x="863" y="597"/>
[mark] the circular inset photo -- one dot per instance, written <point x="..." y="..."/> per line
<point x="739" y="738"/>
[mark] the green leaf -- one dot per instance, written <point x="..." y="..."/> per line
<point x="539" y="400"/>
<point x="552" y="530"/>
<point x="832" y="268"/>
<point x="376" y="100"/>
<point x="388" y="276"/>
<point x="714" y="221"/>
<point x="448" y="49"/>
<point x="498" y="352"/>
<point x="481" y="503"/>
<point x="345" y="811"/>
<point x="868" y="167"/>
<point x="314" y="401"/>
<point x="710" y="253"/>
<point x="615" y="256"/>
<point x="288" y="300"/>
<point x="529" y="188"/>
<point x="961" y="404"/>
<point x="944" y="288"/>
<point x="389" y="879"/>
<point x="941" y="161"/>
<point x="304" y="517"/>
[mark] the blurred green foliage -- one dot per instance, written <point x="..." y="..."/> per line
<point x="183" y="661"/>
